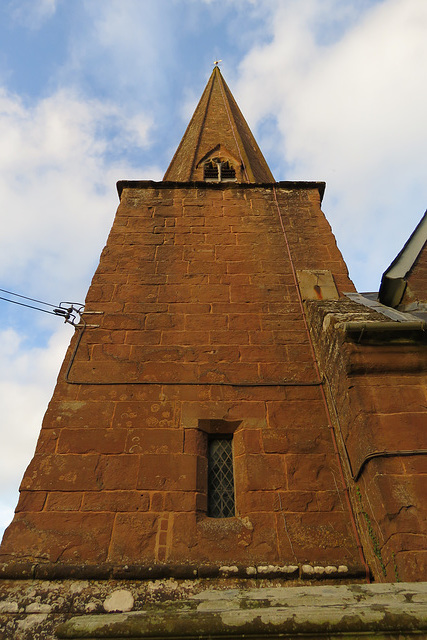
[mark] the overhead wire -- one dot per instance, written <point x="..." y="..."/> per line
<point x="29" y="306"/>
<point x="67" y="312"/>
<point x="18" y="295"/>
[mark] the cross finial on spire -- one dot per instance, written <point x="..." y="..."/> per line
<point x="216" y="63"/>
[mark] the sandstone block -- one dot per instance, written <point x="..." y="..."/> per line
<point x="128" y="322"/>
<point x="115" y="501"/>
<point x="301" y="440"/>
<point x="63" y="501"/>
<point x="178" y="501"/>
<point x="169" y="472"/>
<point x="65" y="472"/>
<point x="47" y="440"/>
<point x="154" y="441"/>
<point x="168" y="372"/>
<point x="143" y="337"/>
<point x="185" y="337"/>
<point x="65" y="536"/>
<point x="77" y="413"/>
<point x="319" y="537"/>
<point x="247" y="441"/>
<point x="117" y="472"/>
<point x="31" y="501"/>
<point x="261" y="472"/>
<point x="91" y="441"/>
<point x="209" y="321"/>
<point x="137" y="293"/>
<point x="144" y="414"/>
<point x="293" y="414"/>
<point x="133" y="538"/>
<point x="195" y="442"/>
<point x="311" y="470"/>
<point x="102" y="352"/>
<point x="164" y="321"/>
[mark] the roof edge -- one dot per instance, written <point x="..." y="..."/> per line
<point x="393" y="281"/>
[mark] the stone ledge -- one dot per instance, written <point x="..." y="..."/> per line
<point x="285" y="184"/>
<point x="333" y="611"/>
<point x="50" y="571"/>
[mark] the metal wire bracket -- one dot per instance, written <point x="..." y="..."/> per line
<point x="70" y="311"/>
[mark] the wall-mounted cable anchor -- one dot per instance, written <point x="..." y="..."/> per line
<point x="70" y="311"/>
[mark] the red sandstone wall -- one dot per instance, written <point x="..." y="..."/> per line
<point x="388" y="413"/>
<point x="197" y="302"/>
<point x="379" y="393"/>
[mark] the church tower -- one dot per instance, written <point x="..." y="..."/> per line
<point x="189" y="424"/>
<point x="222" y="410"/>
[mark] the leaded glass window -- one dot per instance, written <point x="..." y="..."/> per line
<point x="220" y="478"/>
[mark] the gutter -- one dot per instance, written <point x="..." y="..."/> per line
<point x="394" y="279"/>
<point x="382" y="327"/>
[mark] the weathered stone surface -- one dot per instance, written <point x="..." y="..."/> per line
<point x="61" y="473"/>
<point x="261" y="472"/>
<point x="121" y="500"/>
<point x="172" y="472"/>
<point x="58" y="536"/>
<point x="91" y="441"/>
<point x="229" y="606"/>
<point x="379" y="392"/>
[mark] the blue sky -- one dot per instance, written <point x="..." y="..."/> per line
<point x="93" y="91"/>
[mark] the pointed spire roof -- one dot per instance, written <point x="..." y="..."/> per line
<point x="218" y="130"/>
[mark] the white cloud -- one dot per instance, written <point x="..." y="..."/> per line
<point x="57" y="193"/>
<point x="27" y="377"/>
<point x="32" y="13"/>
<point x="125" y="46"/>
<point x="350" y="110"/>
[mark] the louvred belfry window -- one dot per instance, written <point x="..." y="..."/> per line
<point x="227" y="171"/>
<point x="220" y="478"/>
<point x="217" y="170"/>
<point x="210" y="171"/>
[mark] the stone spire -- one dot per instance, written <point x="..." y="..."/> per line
<point x="218" y="137"/>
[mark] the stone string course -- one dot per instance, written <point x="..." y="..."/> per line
<point x="25" y="571"/>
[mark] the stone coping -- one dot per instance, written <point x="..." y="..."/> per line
<point x="52" y="571"/>
<point x="388" y="610"/>
<point x="284" y="184"/>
